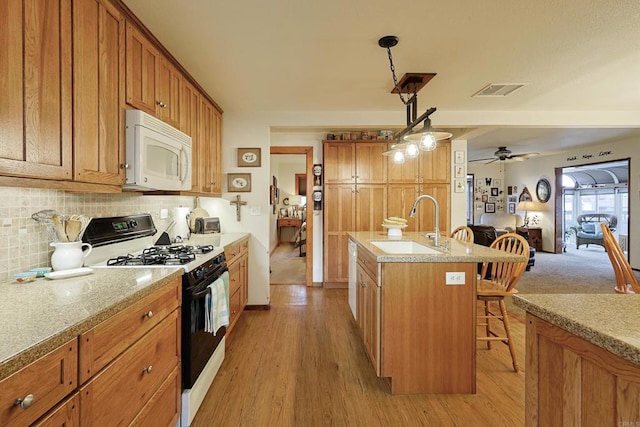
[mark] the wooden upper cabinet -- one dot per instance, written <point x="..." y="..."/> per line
<point x="189" y="119"/>
<point x="209" y="152"/>
<point x="169" y="88"/>
<point x="339" y="163"/>
<point x="142" y="63"/>
<point x="435" y="166"/>
<point x="35" y="88"/>
<point x="98" y="81"/>
<point x="371" y="165"/>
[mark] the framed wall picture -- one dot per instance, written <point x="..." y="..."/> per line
<point x="543" y="190"/>
<point x="494" y="191"/>
<point x="239" y="182"/>
<point x="490" y="207"/>
<point x="249" y="157"/>
<point x="512" y="208"/>
<point x="459" y="157"/>
<point x="459" y="186"/>
<point x="459" y="171"/>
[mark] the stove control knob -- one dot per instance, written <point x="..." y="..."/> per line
<point x="133" y="223"/>
<point x="199" y="273"/>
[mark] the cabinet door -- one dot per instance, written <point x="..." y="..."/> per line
<point x="400" y="198"/>
<point x="339" y="217"/>
<point x="66" y="414"/>
<point x="435" y="166"/>
<point x="209" y="150"/>
<point x="142" y="63"/>
<point x="35" y="88"/>
<point x="244" y="280"/>
<point x="426" y="212"/>
<point x="371" y="206"/>
<point x="189" y="120"/>
<point x="169" y="86"/>
<point x="371" y="165"/>
<point x="402" y="173"/>
<point x="98" y="81"/>
<point x="339" y="162"/>
<point x="368" y="307"/>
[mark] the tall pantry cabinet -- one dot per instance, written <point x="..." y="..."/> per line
<point x="362" y="187"/>
<point x="355" y="198"/>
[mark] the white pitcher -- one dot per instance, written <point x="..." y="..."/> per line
<point x="69" y="255"/>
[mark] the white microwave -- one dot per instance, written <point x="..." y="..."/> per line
<point x="158" y="155"/>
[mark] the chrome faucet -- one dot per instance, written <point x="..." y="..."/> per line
<point x="412" y="213"/>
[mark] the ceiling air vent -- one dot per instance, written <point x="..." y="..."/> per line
<point x="499" y="89"/>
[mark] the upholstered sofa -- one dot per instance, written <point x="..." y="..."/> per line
<point x="589" y="231"/>
<point x="486" y="234"/>
<point x="502" y="222"/>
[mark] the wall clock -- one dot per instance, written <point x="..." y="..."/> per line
<point x="543" y="190"/>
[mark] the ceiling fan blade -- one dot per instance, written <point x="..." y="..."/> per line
<point x="522" y="156"/>
<point x="481" y="160"/>
<point x="492" y="160"/>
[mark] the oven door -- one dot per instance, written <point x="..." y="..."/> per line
<point x="197" y="345"/>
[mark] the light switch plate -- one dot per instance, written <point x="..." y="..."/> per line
<point x="164" y="213"/>
<point x="454" y="278"/>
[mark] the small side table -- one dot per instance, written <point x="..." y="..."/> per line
<point x="533" y="236"/>
<point x="288" y="222"/>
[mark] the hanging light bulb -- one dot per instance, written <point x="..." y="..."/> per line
<point x="411" y="151"/>
<point x="427" y="132"/>
<point x="398" y="157"/>
<point x="427" y="142"/>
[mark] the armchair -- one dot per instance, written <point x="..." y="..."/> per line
<point x="589" y="229"/>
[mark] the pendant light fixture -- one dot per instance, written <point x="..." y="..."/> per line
<point x="409" y="141"/>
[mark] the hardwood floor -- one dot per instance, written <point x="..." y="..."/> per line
<point x="302" y="363"/>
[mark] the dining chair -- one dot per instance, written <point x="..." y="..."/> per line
<point x="463" y="233"/>
<point x="626" y="280"/>
<point x="498" y="280"/>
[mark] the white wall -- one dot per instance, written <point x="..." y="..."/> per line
<point x="529" y="172"/>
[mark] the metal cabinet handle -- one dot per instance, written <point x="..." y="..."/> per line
<point x="148" y="314"/>
<point x="25" y="402"/>
<point x="148" y="369"/>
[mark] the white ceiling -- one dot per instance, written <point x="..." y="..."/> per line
<point x="576" y="56"/>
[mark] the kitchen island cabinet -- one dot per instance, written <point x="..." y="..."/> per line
<point x="420" y="323"/>
<point x="582" y="359"/>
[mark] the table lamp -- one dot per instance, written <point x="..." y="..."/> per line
<point x="527" y="206"/>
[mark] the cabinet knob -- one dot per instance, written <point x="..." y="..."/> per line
<point x="148" y="369"/>
<point x="162" y="104"/>
<point x="25" y="402"/>
<point x="148" y="314"/>
<point x="124" y="165"/>
<point x="363" y="284"/>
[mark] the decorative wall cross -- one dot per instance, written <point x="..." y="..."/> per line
<point x="238" y="203"/>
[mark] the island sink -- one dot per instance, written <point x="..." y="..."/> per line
<point x="403" y="247"/>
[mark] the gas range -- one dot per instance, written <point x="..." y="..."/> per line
<point x="127" y="241"/>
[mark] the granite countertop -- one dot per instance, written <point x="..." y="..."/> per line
<point x="39" y="316"/>
<point x="458" y="251"/>
<point x="609" y="321"/>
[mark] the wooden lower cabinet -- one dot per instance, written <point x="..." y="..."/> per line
<point x="570" y="381"/>
<point x="368" y="310"/>
<point x="47" y="381"/>
<point x="237" y="256"/>
<point x="117" y="394"/>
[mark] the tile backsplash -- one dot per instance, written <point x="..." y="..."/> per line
<point x="24" y="243"/>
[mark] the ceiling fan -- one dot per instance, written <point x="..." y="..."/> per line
<point x="503" y="154"/>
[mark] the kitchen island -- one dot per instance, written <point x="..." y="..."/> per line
<point x="582" y="359"/>
<point x="416" y="311"/>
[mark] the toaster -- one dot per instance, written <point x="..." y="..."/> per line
<point x="206" y="225"/>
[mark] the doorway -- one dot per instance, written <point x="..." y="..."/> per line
<point x="307" y="152"/>
<point x="599" y="188"/>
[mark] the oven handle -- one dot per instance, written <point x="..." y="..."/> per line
<point x="210" y="281"/>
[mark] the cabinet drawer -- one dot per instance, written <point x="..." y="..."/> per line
<point x="234" y="277"/>
<point x="66" y="414"/>
<point x="116" y="395"/>
<point x="102" y="344"/>
<point x="368" y="262"/>
<point x="235" y="306"/>
<point x="289" y="222"/>
<point x="232" y="252"/>
<point x="48" y="379"/>
<point x="163" y="408"/>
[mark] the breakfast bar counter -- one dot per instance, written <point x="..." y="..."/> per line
<point x="583" y="359"/>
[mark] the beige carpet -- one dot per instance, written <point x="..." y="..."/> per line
<point x="583" y="271"/>
<point x="287" y="266"/>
